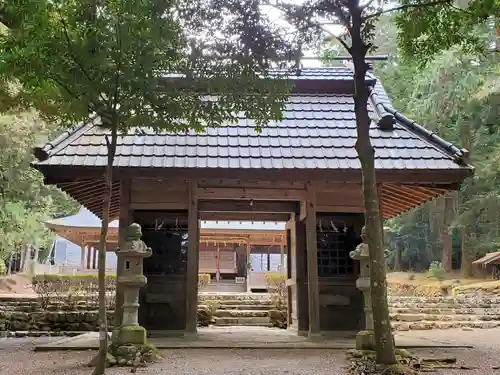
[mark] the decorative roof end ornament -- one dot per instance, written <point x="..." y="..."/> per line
<point x="386" y="119"/>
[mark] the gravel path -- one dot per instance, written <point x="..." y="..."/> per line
<point x="483" y="358"/>
<point x="17" y="358"/>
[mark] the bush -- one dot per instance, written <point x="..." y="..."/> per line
<point x="276" y="284"/>
<point x="206" y="313"/>
<point x="203" y="280"/>
<point x="69" y="289"/>
<point x="436" y="270"/>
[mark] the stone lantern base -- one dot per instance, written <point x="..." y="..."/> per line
<point x="365" y="340"/>
<point x="131" y="335"/>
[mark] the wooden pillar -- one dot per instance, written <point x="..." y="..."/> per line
<point x="124" y="220"/>
<point x="82" y="256"/>
<point x="312" y="263"/>
<point x="297" y="276"/>
<point x="248" y="267"/>
<point x="89" y="256"/>
<point x="217" y="261"/>
<point x="282" y="257"/>
<point x="249" y="256"/>
<point x="301" y="275"/>
<point x="290" y="307"/>
<point x="193" y="258"/>
<point x="94" y="258"/>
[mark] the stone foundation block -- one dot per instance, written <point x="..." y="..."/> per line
<point x="131" y="335"/>
<point x="365" y="340"/>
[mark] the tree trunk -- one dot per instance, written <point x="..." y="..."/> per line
<point x="373" y="219"/>
<point x="447" y="233"/>
<point x="466" y="261"/>
<point x="106" y="200"/>
<point x="497" y="34"/>
<point x="9" y="269"/>
<point x="23" y="259"/>
<point x="399" y="253"/>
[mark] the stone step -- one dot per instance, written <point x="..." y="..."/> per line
<point x="242" y="303"/>
<point x="445" y="311"/>
<point x="259" y="306"/>
<point x="41" y="333"/>
<point x="459" y="300"/>
<point x="432" y="305"/>
<point x="246" y="321"/>
<point x="442" y="318"/>
<point x="427" y="325"/>
<point x="234" y="296"/>
<point x="241" y="313"/>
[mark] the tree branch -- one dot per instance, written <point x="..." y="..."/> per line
<point x="367" y="5"/>
<point x="342" y="42"/>
<point x="407" y="6"/>
<point x="73" y="56"/>
<point x="343" y="18"/>
<point x="116" y="93"/>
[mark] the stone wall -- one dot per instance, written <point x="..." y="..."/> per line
<point x="341" y="309"/>
<point x="28" y="315"/>
<point x="423" y="313"/>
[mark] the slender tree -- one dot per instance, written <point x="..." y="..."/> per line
<point x="134" y="64"/>
<point x="357" y="20"/>
<point x="447" y="232"/>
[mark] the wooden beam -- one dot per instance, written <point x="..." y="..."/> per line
<point x="432" y="192"/>
<point x="193" y="259"/>
<point x="312" y="264"/>
<point x="389" y="212"/>
<point x="159" y="206"/>
<point x="247" y="206"/>
<point x="244" y="216"/>
<point x="246" y="183"/>
<point x="398" y="199"/>
<point x="239" y="240"/>
<point x="69" y="184"/>
<point x="57" y="174"/>
<point x="394" y="207"/>
<point x="390" y="190"/>
<point x="85" y="187"/>
<point x="411" y="191"/>
<point x="337" y="187"/>
<point x="251" y="193"/>
<point x="96" y="196"/>
<point x="340" y="209"/>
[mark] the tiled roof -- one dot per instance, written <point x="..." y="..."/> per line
<point x="317" y="132"/>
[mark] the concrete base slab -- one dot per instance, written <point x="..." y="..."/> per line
<point x="246" y="338"/>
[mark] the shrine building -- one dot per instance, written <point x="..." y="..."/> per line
<point x="302" y="171"/>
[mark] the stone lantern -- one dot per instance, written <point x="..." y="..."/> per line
<point x="365" y="340"/>
<point x="130" y="259"/>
